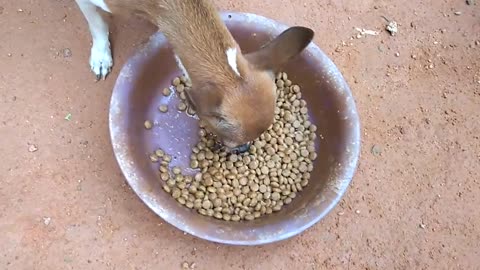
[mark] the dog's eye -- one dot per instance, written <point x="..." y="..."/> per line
<point x="220" y="120"/>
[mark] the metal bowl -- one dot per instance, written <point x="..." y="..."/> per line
<point x="137" y="95"/>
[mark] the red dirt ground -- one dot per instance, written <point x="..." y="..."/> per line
<point x="413" y="203"/>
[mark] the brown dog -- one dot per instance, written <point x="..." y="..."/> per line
<point x="233" y="93"/>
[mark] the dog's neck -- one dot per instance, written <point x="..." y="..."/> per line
<point x="197" y="33"/>
<point x="200" y="39"/>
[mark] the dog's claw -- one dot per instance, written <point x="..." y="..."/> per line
<point x="101" y="61"/>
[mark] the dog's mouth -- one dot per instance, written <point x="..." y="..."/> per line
<point x="241" y="148"/>
<point x="228" y="146"/>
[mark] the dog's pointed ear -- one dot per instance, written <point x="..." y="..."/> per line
<point x="273" y="55"/>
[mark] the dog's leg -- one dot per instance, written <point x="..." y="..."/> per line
<point x="100" y="57"/>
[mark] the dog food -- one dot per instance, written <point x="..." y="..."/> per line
<point x="148" y="124"/>
<point x="246" y="186"/>
<point x="163" y="108"/>
<point x="166" y="92"/>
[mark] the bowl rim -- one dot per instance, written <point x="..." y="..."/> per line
<point x="117" y="140"/>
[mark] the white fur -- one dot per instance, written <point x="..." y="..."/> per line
<point x="180" y="65"/>
<point x="101" y="56"/>
<point x="101" y="4"/>
<point x="232" y="59"/>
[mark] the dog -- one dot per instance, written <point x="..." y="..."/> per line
<point x="233" y="93"/>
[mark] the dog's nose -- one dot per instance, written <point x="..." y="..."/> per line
<point x="241" y="148"/>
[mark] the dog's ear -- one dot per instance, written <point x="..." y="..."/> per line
<point x="273" y="55"/>
<point x="205" y="98"/>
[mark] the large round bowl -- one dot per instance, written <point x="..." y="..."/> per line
<point x="137" y="95"/>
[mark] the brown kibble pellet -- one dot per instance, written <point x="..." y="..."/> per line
<point x="180" y="88"/>
<point x="164" y="176"/>
<point x="148" y="124"/>
<point x="176" y="81"/>
<point x="277" y="208"/>
<point x="207" y="204"/>
<point x="289" y="141"/>
<point x="303" y="167"/>
<point x="153" y="158"/>
<point x="249" y="217"/>
<point x="253" y="164"/>
<point x="199" y="194"/>
<point x="166" y="91"/>
<point x="181" y="106"/>
<point x="304" y="183"/>
<point x="217" y="202"/>
<point x="194" y="164"/>
<point x="280" y="84"/>
<point x="159" y="152"/>
<point x="176" y="193"/>
<point x="233" y="158"/>
<point x="243" y="181"/>
<point x="176" y="170"/>
<point x="208" y="181"/>
<point x="254" y="187"/>
<point x="163" y="108"/>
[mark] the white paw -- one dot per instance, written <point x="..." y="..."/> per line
<point x="101" y="59"/>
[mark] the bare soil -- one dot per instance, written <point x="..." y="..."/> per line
<point x="413" y="203"/>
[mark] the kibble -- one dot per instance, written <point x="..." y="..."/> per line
<point x="163" y="108"/>
<point x="153" y="158"/>
<point x="176" y="170"/>
<point x="176" y="81"/>
<point x="182" y="106"/>
<point x="166" y="92"/>
<point x="235" y="187"/>
<point x="148" y="124"/>
<point x="159" y="152"/>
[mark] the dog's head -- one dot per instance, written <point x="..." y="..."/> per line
<point x="239" y="106"/>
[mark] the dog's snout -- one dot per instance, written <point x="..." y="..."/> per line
<point x="241" y="148"/>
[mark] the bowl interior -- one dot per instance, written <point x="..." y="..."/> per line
<point x="137" y="95"/>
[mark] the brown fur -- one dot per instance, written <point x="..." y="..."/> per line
<point x="237" y="108"/>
